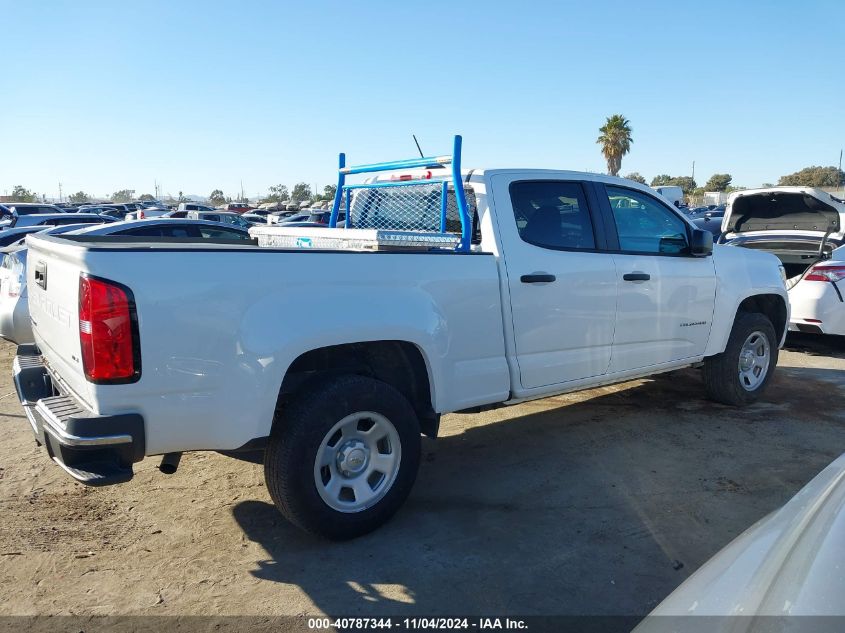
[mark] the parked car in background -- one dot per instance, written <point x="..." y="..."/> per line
<point x="125" y="208"/>
<point x="17" y="209"/>
<point x="194" y="206"/>
<point x="292" y="207"/>
<point x="318" y="216"/>
<point x="289" y="217"/>
<point x="152" y="204"/>
<point x="15" y="323"/>
<point x="255" y="218"/>
<point x="225" y="217"/>
<point x="54" y="219"/>
<point x="110" y="212"/>
<point x="11" y="235"/>
<point x="672" y="193"/>
<point x="149" y="212"/>
<point x="805" y="229"/>
<point x="236" y="207"/>
<point x="709" y="221"/>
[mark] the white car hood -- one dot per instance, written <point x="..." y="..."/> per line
<point x="790" y="563"/>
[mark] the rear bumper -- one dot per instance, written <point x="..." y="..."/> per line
<point x="817" y="307"/>
<point x="96" y="450"/>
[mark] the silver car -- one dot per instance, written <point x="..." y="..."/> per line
<point x="15" y="325"/>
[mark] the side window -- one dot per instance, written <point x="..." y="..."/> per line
<point x="146" y="231"/>
<point x="552" y="214"/>
<point x="214" y="233"/>
<point x="645" y="225"/>
<point x="211" y="218"/>
<point x="176" y="231"/>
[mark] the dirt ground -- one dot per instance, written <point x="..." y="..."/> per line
<point x="600" y="502"/>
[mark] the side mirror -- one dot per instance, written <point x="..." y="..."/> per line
<point x="708" y="215"/>
<point x="701" y="243"/>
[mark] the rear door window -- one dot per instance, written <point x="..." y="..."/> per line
<point x="552" y="214"/>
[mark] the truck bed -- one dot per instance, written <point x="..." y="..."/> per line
<point x="220" y="323"/>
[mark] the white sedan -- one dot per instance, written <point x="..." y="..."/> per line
<point x="805" y="228"/>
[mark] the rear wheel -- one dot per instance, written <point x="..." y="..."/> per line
<point x="342" y="458"/>
<point x="740" y="374"/>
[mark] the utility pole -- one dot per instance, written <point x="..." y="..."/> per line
<point x="60" y="184"/>
<point x="693" y="170"/>
<point x="840" y="172"/>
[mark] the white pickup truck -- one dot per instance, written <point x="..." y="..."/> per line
<point x="333" y="361"/>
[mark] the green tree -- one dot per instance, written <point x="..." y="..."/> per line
<point x="766" y="185"/>
<point x="301" y="191"/>
<point x="217" y="197"/>
<point x="684" y="182"/>
<point x="718" y="182"/>
<point x="124" y="195"/>
<point x="278" y="193"/>
<point x="636" y="177"/>
<point x="78" y="198"/>
<point x="815" y="177"/>
<point x="615" y="140"/>
<point x="146" y="197"/>
<point x="21" y="194"/>
<point x="329" y="192"/>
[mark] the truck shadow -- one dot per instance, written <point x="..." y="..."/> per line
<point x="601" y="505"/>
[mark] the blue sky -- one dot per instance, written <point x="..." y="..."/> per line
<point x="201" y="95"/>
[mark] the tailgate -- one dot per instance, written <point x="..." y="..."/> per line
<point x="52" y="278"/>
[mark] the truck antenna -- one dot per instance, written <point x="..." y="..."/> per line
<point x="418" y="146"/>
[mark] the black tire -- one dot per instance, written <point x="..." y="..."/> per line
<point x="721" y="372"/>
<point x="300" y="428"/>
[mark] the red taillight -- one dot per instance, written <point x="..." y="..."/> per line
<point x="107" y="332"/>
<point x="826" y="272"/>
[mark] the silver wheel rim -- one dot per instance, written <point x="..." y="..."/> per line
<point x="357" y="461"/>
<point x="754" y="360"/>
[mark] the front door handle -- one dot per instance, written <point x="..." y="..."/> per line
<point x="537" y="278"/>
<point x="636" y="276"/>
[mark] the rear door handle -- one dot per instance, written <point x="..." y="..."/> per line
<point x="538" y="278"/>
<point x="636" y="276"/>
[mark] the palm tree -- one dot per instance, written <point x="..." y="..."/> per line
<point x="615" y="141"/>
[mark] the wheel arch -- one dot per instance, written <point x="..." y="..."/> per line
<point x="771" y="304"/>
<point x="401" y="364"/>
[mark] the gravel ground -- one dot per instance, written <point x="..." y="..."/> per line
<point x="600" y="502"/>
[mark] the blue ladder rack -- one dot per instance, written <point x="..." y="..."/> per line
<point x="425" y="162"/>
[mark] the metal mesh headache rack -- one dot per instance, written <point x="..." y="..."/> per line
<point x="421" y="210"/>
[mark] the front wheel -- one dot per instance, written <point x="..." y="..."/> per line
<point x="343" y="456"/>
<point x="740" y="374"/>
